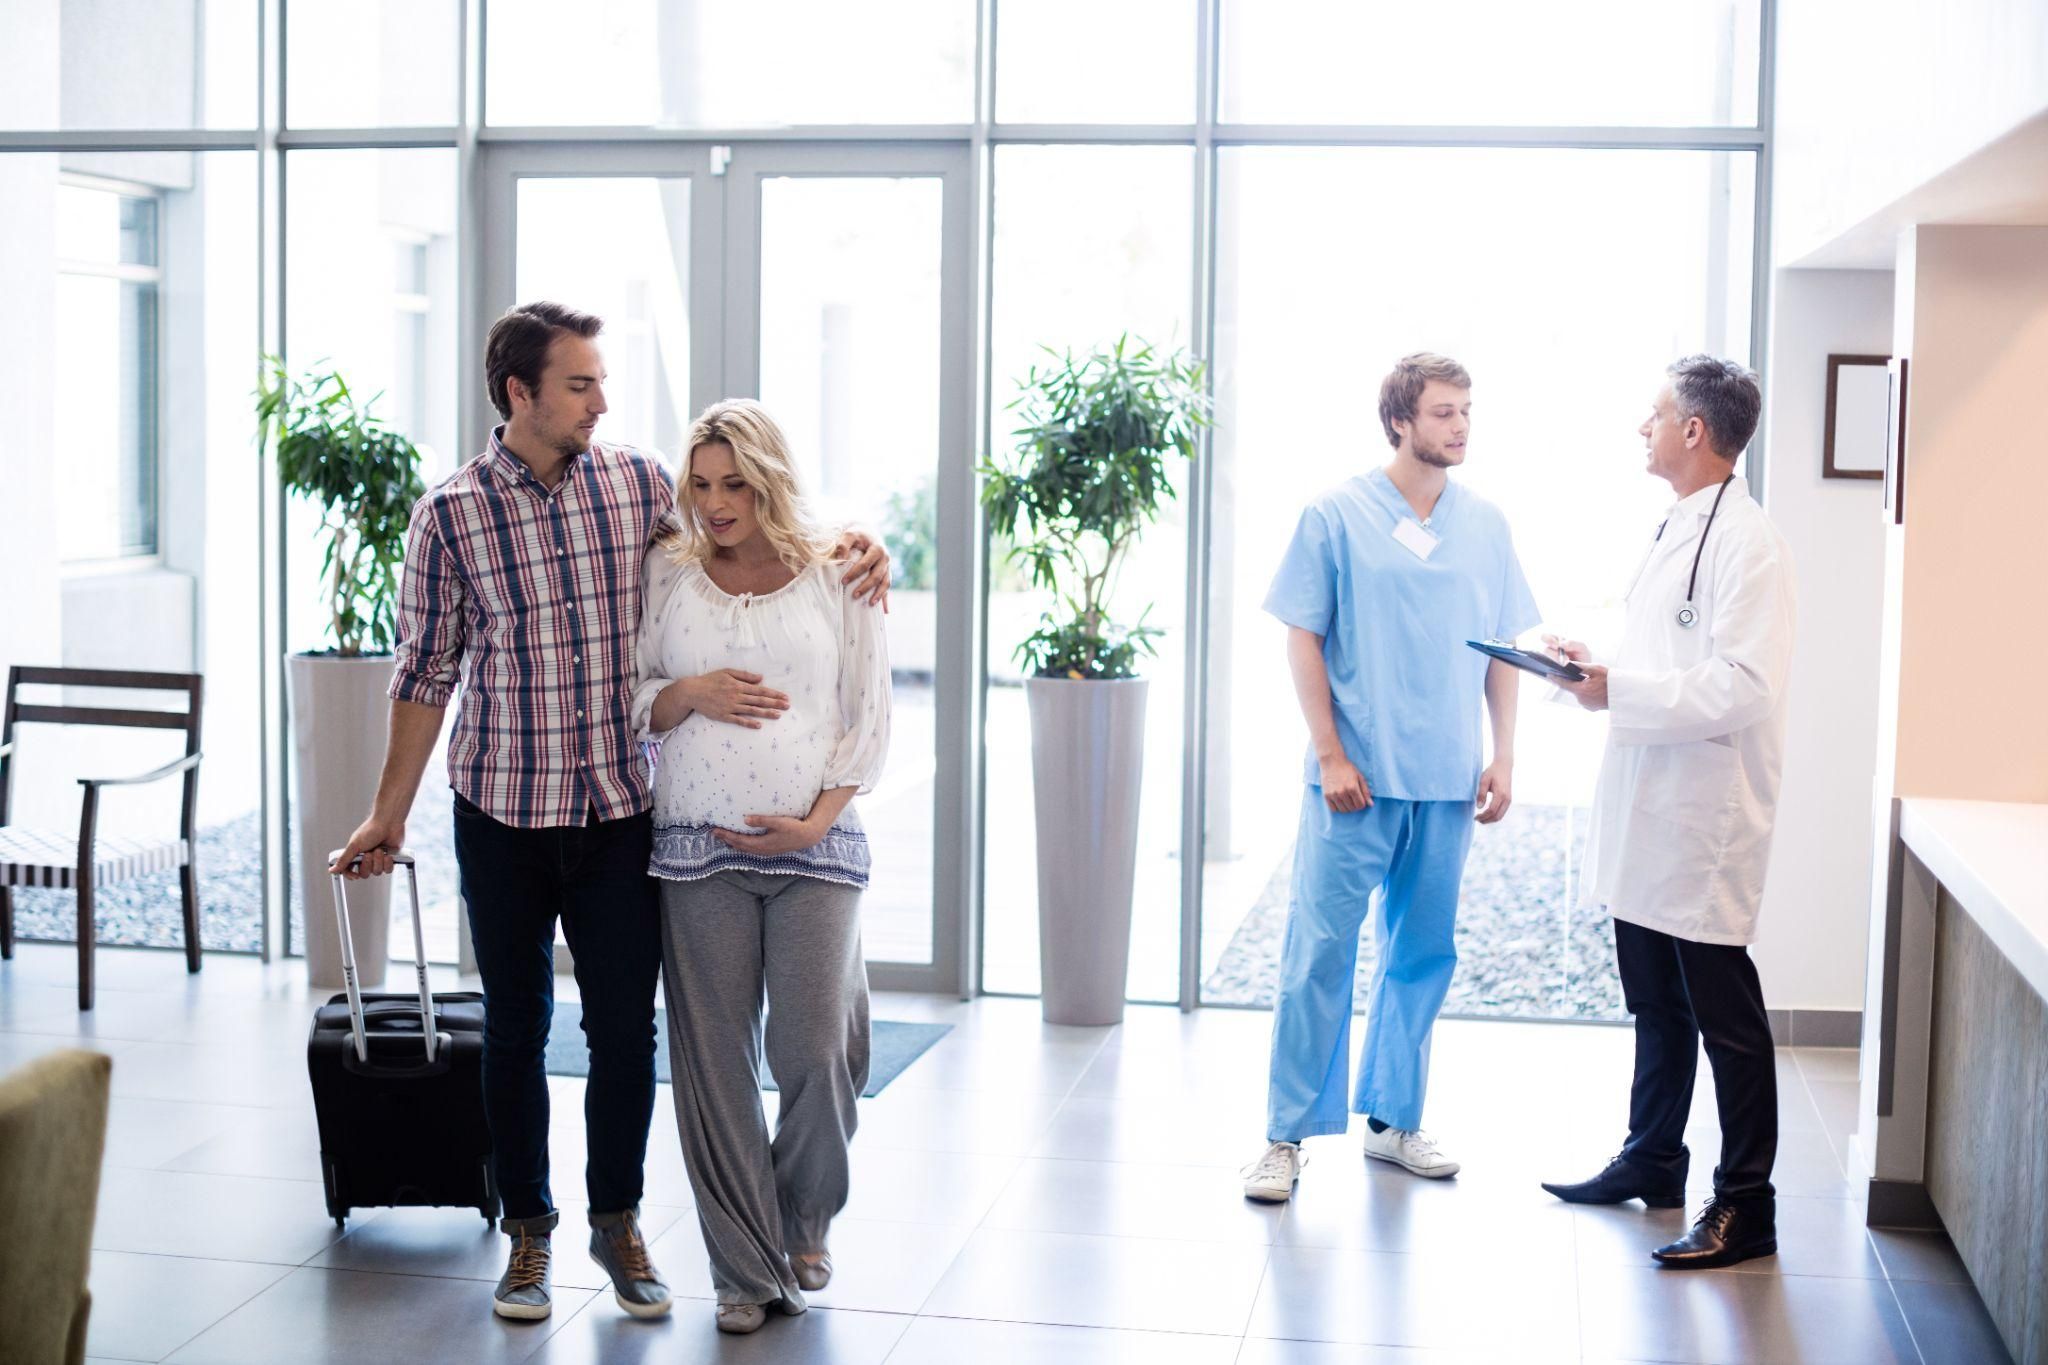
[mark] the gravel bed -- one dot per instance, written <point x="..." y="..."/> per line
<point x="145" y="912"/>
<point x="1522" y="952"/>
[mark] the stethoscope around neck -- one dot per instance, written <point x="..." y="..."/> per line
<point x="1688" y="614"/>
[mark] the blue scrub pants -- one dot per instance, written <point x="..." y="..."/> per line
<point x="1413" y="853"/>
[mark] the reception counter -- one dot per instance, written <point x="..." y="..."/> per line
<point x="1954" y="1124"/>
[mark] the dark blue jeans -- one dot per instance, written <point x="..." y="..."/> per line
<point x="517" y="882"/>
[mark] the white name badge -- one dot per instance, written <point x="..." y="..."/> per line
<point x="1421" y="542"/>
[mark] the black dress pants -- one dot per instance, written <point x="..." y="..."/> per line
<point x="1681" y="992"/>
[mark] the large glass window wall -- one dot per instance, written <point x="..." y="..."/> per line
<point x="1298" y="192"/>
<point x="1563" y="279"/>
<point x="132" y="537"/>
<point x="370" y="295"/>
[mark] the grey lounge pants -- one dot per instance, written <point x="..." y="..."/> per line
<point x="727" y="939"/>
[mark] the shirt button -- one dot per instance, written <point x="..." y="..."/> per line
<point x="575" y="658"/>
<point x="579" y="715"/>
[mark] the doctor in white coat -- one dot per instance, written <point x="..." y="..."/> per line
<point x="1681" y="828"/>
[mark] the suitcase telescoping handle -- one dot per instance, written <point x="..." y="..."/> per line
<point x="360" y="1032"/>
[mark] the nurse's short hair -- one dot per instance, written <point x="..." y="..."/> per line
<point x="1724" y="395"/>
<point x="1402" y="389"/>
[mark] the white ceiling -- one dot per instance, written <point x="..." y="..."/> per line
<point x="2005" y="182"/>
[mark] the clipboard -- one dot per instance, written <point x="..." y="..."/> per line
<point x="1529" y="661"/>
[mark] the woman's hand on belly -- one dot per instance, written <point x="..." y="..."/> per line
<point x="731" y="696"/>
<point x="779" y="834"/>
<point x="787" y="834"/>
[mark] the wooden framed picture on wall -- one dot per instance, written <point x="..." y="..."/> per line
<point x="1854" y="441"/>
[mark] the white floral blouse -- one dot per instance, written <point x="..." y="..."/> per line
<point x="810" y="639"/>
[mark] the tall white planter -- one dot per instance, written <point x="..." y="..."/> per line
<point x="1087" y="752"/>
<point x="339" y="718"/>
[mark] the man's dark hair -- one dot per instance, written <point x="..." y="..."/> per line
<point x="1722" y="394"/>
<point x="517" y="347"/>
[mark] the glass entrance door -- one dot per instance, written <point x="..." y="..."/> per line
<point x="831" y="282"/>
<point x="847" y="314"/>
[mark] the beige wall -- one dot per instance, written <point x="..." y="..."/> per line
<point x="1965" y="576"/>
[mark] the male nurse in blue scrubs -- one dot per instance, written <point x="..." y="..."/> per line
<point x="1387" y="577"/>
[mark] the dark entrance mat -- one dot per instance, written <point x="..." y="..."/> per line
<point x="893" y="1047"/>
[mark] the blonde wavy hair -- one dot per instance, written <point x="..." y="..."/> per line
<point x="761" y="453"/>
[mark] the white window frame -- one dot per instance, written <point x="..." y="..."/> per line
<point x="412" y="307"/>
<point x="152" y="275"/>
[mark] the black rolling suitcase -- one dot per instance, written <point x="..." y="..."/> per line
<point x="400" y="1100"/>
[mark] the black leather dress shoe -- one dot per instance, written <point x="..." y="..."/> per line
<point x="1622" y="1181"/>
<point x="1725" y="1234"/>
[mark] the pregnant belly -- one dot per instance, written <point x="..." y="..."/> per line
<point x="712" y="773"/>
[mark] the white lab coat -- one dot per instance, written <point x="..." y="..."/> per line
<point x="1681" y="827"/>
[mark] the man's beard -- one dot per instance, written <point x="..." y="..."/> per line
<point x="1434" y="457"/>
<point x="573" y="443"/>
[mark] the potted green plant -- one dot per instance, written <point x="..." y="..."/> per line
<point x="1091" y="467"/>
<point x="333" y="451"/>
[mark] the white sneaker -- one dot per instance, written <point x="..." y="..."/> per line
<point x="1412" y="1150"/>
<point x="1270" y="1179"/>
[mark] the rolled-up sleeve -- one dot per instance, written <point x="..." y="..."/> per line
<point x="431" y="616"/>
<point x="864" y="697"/>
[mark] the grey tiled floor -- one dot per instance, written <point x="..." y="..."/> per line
<point x="1021" y="1194"/>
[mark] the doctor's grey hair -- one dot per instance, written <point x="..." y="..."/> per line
<point x="1722" y="394"/>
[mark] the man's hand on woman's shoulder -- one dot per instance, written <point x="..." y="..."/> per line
<point x="869" y="573"/>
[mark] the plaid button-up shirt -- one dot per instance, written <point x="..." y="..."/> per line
<point x="530" y="598"/>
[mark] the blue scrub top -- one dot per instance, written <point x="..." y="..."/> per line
<point x="1408" y="693"/>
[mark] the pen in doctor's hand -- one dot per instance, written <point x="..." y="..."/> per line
<point x="1570" y="650"/>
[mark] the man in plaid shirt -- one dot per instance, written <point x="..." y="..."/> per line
<point x="522" y="584"/>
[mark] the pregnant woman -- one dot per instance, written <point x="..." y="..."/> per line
<point x="766" y="685"/>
